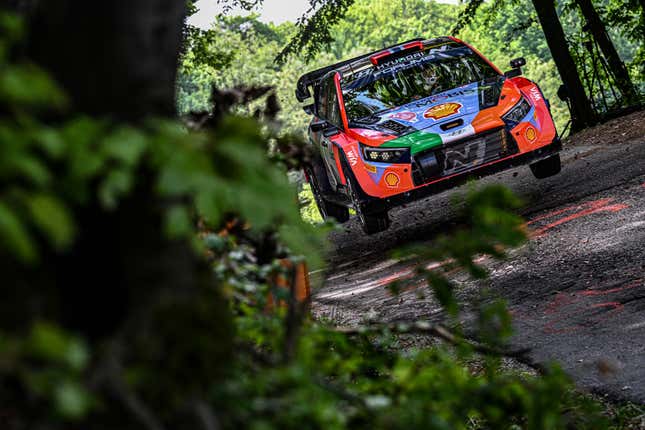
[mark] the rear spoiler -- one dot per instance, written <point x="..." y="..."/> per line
<point x="312" y="78"/>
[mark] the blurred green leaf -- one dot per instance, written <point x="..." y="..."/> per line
<point x="178" y="222"/>
<point x="53" y="218"/>
<point x="116" y="184"/>
<point x="15" y="237"/>
<point x="72" y="400"/>
<point x="125" y="144"/>
<point x="30" y="87"/>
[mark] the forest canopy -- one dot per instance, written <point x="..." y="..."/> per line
<point x="501" y="31"/>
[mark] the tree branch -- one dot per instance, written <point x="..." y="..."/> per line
<point x="436" y="330"/>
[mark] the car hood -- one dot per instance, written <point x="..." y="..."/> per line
<point x="444" y="117"/>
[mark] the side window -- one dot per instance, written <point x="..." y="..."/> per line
<point x="321" y="102"/>
<point x="328" y="106"/>
<point x="333" y="108"/>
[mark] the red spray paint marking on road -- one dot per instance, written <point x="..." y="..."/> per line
<point x="405" y="274"/>
<point x="576" y="306"/>
<point x="585" y="209"/>
<point x="596" y="206"/>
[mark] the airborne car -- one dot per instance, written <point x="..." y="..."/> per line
<point x="416" y="118"/>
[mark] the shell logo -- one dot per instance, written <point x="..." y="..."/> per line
<point x="442" y="110"/>
<point x="392" y="179"/>
<point x="530" y="134"/>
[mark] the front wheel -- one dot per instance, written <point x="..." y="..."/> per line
<point x="371" y="222"/>
<point x="547" y="167"/>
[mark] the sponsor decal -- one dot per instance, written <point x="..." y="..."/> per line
<point x="369" y="133"/>
<point x="447" y="95"/>
<point x="407" y="60"/>
<point x="453" y="135"/>
<point x="370" y="168"/>
<point x="471" y="154"/>
<point x="442" y="110"/>
<point x="535" y="94"/>
<point x="352" y="158"/>
<point x="405" y="116"/>
<point x="392" y="179"/>
<point x="530" y="134"/>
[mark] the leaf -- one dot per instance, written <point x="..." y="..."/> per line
<point x="72" y="400"/>
<point x="126" y="145"/>
<point x="14" y="236"/>
<point x="52" y="217"/>
<point x="178" y="223"/>
<point x="443" y="291"/>
<point x="117" y="184"/>
<point x="31" y="167"/>
<point x="50" y="140"/>
<point x="30" y="87"/>
<point x="48" y="342"/>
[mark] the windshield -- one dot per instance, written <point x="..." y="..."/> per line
<point x="420" y="75"/>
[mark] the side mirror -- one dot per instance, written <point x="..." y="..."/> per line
<point x="516" y="65"/>
<point x="330" y="131"/>
<point x="318" y="125"/>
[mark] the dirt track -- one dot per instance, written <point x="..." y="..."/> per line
<point x="576" y="290"/>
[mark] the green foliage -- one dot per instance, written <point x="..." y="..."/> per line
<point x="314" y="33"/>
<point x="309" y="210"/>
<point x="50" y="170"/>
<point x="512" y="30"/>
<point x="627" y="19"/>
<point x="358" y="377"/>
<point x="50" y="365"/>
<point x="53" y="170"/>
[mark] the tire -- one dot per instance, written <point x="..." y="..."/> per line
<point x="372" y="221"/>
<point x="326" y="208"/>
<point x="547" y="167"/>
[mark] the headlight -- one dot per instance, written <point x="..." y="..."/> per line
<point x="386" y="155"/>
<point x="517" y="113"/>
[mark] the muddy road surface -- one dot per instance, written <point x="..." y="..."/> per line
<point x="576" y="289"/>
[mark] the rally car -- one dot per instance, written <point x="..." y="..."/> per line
<point x="401" y="123"/>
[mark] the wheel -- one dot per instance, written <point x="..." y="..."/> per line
<point x="326" y="208"/>
<point x="373" y="221"/>
<point x="547" y="167"/>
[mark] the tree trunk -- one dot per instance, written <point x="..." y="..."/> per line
<point x="123" y="281"/>
<point x="616" y="66"/>
<point x="582" y="114"/>
<point x="115" y="58"/>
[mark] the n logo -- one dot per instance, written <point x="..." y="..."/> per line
<point x="470" y="154"/>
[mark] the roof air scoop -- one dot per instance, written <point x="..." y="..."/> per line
<point x="396" y="52"/>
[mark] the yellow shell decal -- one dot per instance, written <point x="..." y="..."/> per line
<point x="530" y="134"/>
<point x="442" y="110"/>
<point x="392" y="179"/>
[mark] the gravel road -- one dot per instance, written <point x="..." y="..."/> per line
<point x="576" y="289"/>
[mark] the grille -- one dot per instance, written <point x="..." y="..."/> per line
<point x="462" y="156"/>
<point x="394" y="126"/>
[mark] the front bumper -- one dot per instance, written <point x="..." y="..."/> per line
<point x="484" y="170"/>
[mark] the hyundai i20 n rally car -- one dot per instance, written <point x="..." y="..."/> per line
<point x="416" y="118"/>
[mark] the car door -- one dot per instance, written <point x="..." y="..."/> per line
<point x="329" y="110"/>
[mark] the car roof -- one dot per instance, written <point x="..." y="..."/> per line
<point x="313" y="78"/>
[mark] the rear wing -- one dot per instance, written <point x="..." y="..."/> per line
<point x="311" y="79"/>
